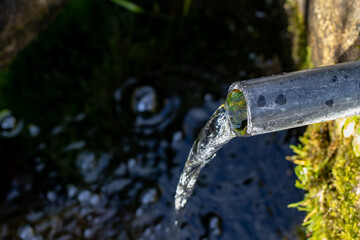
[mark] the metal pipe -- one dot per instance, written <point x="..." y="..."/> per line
<point x="295" y="99"/>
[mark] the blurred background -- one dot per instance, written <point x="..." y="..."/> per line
<point x="98" y="114"/>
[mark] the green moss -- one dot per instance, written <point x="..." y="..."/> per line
<point x="301" y="52"/>
<point x="328" y="170"/>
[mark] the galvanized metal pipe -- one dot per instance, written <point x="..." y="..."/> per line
<point x="300" y="98"/>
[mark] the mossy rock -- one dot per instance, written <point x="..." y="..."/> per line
<point x="328" y="156"/>
<point x="329" y="171"/>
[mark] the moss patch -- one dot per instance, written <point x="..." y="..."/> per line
<point x="328" y="170"/>
<point x="301" y="52"/>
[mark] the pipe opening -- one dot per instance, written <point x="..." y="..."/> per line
<point x="236" y="109"/>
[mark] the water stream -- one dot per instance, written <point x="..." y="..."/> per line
<point x="228" y="121"/>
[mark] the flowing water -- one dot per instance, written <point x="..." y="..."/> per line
<point x="227" y="122"/>
<point x="215" y="134"/>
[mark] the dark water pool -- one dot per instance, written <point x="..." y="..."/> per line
<point x="98" y="116"/>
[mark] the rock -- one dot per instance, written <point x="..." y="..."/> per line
<point x="21" y="21"/>
<point x="334" y="31"/>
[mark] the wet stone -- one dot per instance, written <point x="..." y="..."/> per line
<point x="280" y="100"/>
<point x="149" y="196"/>
<point x="72" y="190"/>
<point x="84" y="196"/>
<point x="334" y="79"/>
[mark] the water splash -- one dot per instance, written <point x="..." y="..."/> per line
<point x="215" y="134"/>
